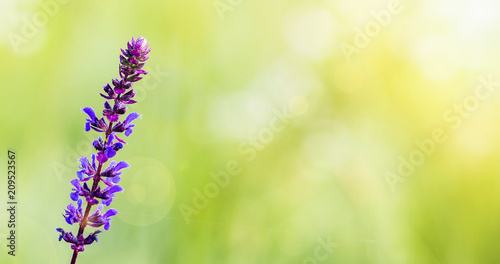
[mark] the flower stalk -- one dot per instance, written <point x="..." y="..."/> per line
<point x="121" y="94"/>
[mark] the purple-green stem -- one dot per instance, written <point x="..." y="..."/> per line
<point x="97" y="178"/>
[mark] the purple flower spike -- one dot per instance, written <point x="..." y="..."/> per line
<point x="104" y="187"/>
<point x="133" y="58"/>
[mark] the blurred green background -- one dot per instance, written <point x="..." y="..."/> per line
<point x="329" y="109"/>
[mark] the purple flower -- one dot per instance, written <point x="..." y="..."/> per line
<point x="93" y="122"/>
<point x="121" y="86"/>
<point x="107" y="194"/>
<point x="84" y="191"/>
<point x="119" y="92"/>
<point x="126" y="98"/>
<point x="112" y="114"/>
<point x="67" y="236"/>
<point x="95" y="219"/>
<point x="106" y="150"/>
<point x="74" y="214"/>
<point x="127" y="125"/>
<point x="111" y="93"/>
<point x="77" y="244"/>
<point x="114" y="169"/>
<point x="86" y="168"/>
<point x="91" y="237"/>
<point x="79" y="190"/>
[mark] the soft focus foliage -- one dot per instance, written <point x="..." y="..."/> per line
<point x="255" y="104"/>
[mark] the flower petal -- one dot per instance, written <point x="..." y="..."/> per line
<point x="116" y="179"/>
<point x="89" y="111"/>
<point x="121" y="165"/>
<point x="110" y="153"/>
<point x="76" y="183"/>
<point x="109" y="213"/>
<point x="73" y="196"/>
<point x="115" y="188"/>
<point x="128" y="132"/>
<point x="131" y="117"/>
